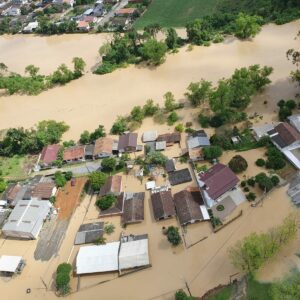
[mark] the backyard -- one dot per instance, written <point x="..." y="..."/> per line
<point x="174" y="13"/>
<point x="16" y="167"/>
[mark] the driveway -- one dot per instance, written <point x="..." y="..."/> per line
<point x="112" y="12"/>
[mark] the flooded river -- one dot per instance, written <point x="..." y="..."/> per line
<point x="93" y="100"/>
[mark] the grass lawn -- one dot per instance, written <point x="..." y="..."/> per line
<point x="13" y="167"/>
<point x="258" y="290"/>
<point x="224" y="294"/>
<point x="175" y="13"/>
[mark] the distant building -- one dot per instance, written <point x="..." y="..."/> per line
<point x="26" y="219"/>
<point x="83" y="26"/>
<point x="31" y="27"/>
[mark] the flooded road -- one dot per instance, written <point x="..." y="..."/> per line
<point x="93" y="100"/>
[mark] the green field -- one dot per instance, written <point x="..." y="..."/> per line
<point x="175" y="13"/>
<point x="13" y="167"/>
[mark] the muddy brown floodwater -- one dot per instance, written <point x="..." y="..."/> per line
<point x="94" y="100"/>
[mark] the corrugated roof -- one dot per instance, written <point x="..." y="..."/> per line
<point x="103" y="145"/>
<point x="188" y="210"/>
<point x="218" y="180"/>
<point x="75" y="152"/>
<point x="133" y="211"/>
<point x="163" y="205"/>
<point x="127" y="140"/>
<point x="180" y="176"/>
<point x="49" y="153"/>
<point x="113" y="185"/>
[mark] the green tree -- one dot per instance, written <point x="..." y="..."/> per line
<point x="172" y="118"/>
<point x="59" y="179"/>
<point x="108" y="164"/>
<point x="68" y="175"/>
<point x="106" y="202"/>
<point x="181" y="295"/>
<point x="171" y="38"/>
<point x="32" y="70"/>
<point x="152" y="29"/>
<point x="275" y="159"/>
<point x="154" y="51"/>
<point x="79" y="65"/>
<point x="238" y="164"/>
<point x="150" y="108"/>
<point x="247" y="26"/>
<point x="119" y="127"/>
<point x="198" y="92"/>
<point x="264" y="182"/>
<point x="50" y="132"/>
<point x="170" y="102"/>
<point x="212" y="152"/>
<point x="287" y="288"/>
<point x="156" y="158"/>
<point x="173" y="235"/>
<point x="260" y="162"/>
<point x="294" y="56"/>
<point x="137" y="114"/>
<point x="98" y="133"/>
<point x="97" y="179"/>
<point x="63" y="278"/>
<point x="85" y="138"/>
<point x="197" y="33"/>
<point x="3" y="185"/>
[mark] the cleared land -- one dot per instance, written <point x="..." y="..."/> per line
<point x="174" y="13"/>
<point x="68" y="198"/>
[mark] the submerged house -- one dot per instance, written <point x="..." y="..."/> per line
<point x="89" y="233"/>
<point x="287" y="139"/>
<point x="163" y="205"/>
<point x="27" y="218"/>
<point x="103" y="147"/>
<point x="130" y="252"/>
<point x="127" y="142"/>
<point x="180" y="176"/>
<point x="113" y="186"/>
<point x="73" y="154"/>
<point x="133" y="209"/>
<point x="215" y="182"/>
<point x="198" y="139"/>
<point x="49" y="155"/>
<point x="169" y="138"/>
<point x="190" y="207"/>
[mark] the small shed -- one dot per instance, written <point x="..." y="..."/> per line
<point x="11" y="264"/>
<point x="180" y="176"/>
<point x="170" y="165"/>
<point x="149" y="136"/>
<point x="160" y="146"/>
<point x="89" y="233"/>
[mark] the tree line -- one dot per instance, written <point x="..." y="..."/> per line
<point x="33" y="83"/>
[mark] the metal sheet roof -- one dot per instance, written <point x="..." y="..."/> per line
<point x="9" y="263"/>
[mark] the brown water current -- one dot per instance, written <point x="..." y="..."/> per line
<point x="94" y="100"/>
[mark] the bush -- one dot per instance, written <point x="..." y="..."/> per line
<point x="265" y="183"/>
<point x="160" y="117"/>
<point x="251" y="196"/>
<point x="238" y="164"/>
<point x="119" y="127"/>
<point x="59" y="179"/>
<point x="137" y="114"/>
<point x="63" y="278"/>
<point x="106" y="202"/>
<point x="181" y="295"/>
<point x="179" y="127"/>
<point x="275" y="180"/>
<point x="291" y="104"/>
<point x="243" y="183"/>
<point x="109" y="228"/>
<point x="173" y="235"/>
<point x="217" y="121"/>
<point x="260" y="162"/>
<point x="212" y="152"/>
<point x="251" y="182"/>
<point x="246" y="189"/>
<point x="97" y="179"/>
<point x="108" y="164"/>
<point x="203" y="120"/>
<point x="172" y="118"/>
<point x="275" y="159"/>
<point x="68" y="175"/>
<point x="150" y="108"/>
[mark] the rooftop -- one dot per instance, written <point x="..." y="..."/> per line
<point x="49" y="153"/>
<point x="113" y="185"/>
<point x="180" y="176"/>
<point x="133" y="208"/>
<point x="163" y="205"/>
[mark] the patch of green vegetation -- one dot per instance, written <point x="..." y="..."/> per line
<point x="13" y="167"/>
<point x="224" y="294"/>
<point x="174" y="13"/>
<point x="258" y="290"/>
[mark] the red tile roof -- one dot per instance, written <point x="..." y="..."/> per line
<point x="126" y="11"/>
<point x="49" y="153"/>
<point x="103" y="145"/>
<point x="43" y="190"/>
<point x="73" y="153"/>
<point x="218" y="180"/>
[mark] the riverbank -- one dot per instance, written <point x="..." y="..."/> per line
<point x="93" y="100"/>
